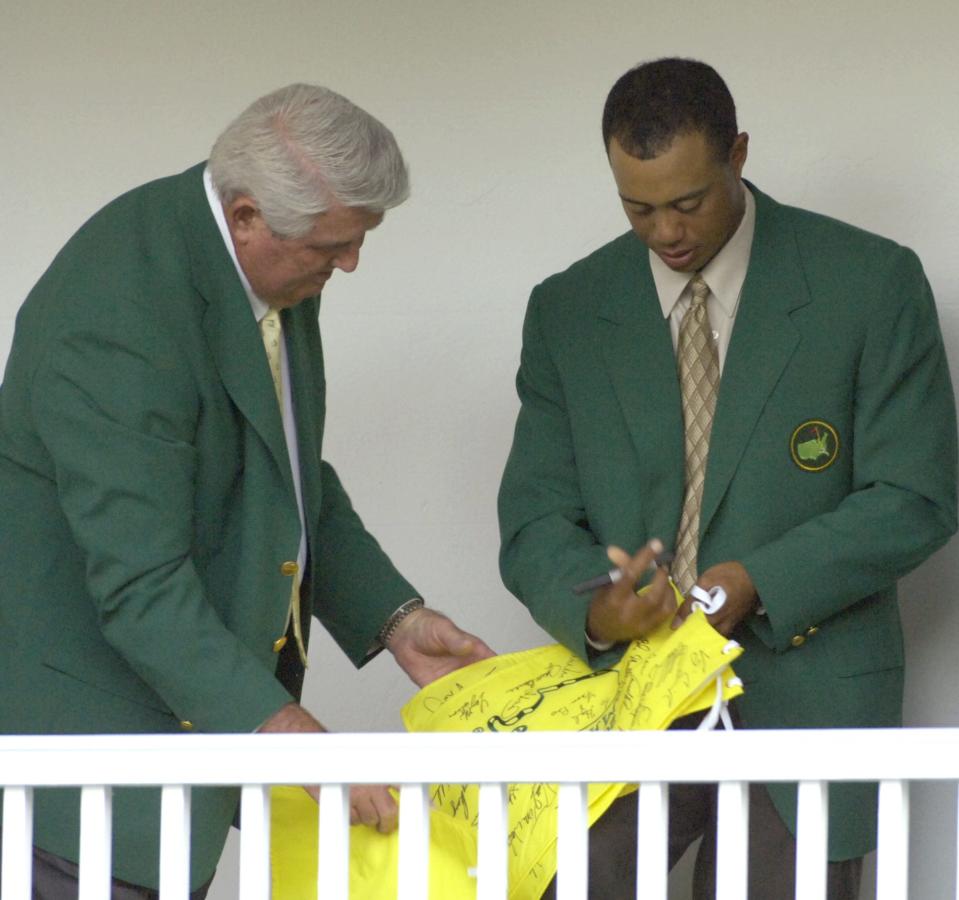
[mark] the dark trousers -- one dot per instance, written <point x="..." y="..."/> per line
<point x="692" y="814"/>
<point x="55" y="878"/>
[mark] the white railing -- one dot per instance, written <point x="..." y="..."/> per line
<point x="413" y="761"/>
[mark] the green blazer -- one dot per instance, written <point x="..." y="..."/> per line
<point x="149" y="506"/>
<point x="831" y="474"/>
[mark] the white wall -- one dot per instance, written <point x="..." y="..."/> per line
<point x="851" y="111"/>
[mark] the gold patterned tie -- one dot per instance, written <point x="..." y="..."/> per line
<point x="699" y="381"/>
<point x="271" y="330"/>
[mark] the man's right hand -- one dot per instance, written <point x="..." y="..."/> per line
<point x="370" y="804"/>
<point x="291" y="719"/>
<point x="616" y="613"/>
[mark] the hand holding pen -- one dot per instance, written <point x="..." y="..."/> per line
<point x="616" y="613"/>
<point x="614" y="576"/>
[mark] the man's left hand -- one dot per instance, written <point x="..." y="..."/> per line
<point x="375" y="806"/>
<point x="741" y="596"/>
<point x="427" y="645"/>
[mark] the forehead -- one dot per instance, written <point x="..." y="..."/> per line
<point x="341" y="225"/>
<point x="689" y="164"/>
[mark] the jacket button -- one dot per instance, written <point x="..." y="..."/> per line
<point x="279" y="644"/>
<point x="798" y="640"/>
<point x="811" y="631"/>
<point x="186" y="725"/>
<point x="289" y="568"/>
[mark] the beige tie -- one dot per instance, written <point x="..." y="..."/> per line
<point x="271" y="329"/>
<point x="699" y="381"/>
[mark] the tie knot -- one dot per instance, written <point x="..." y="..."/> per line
<point x="699" y="288"/>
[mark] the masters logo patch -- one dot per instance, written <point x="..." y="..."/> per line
<point x="814" y="445"/>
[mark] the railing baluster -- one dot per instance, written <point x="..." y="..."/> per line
<point x="95" y="842"/>
<point x="732" y="840"/>
<point x="652" y="852"/>
<point x="491" y="849"/>
<point x="334" y="845"/>
<point x="175" y="842"/>
<point x="254" y="842"/>
<point x="892" y="859"/>
<point x="957" y="863"/>
<point x="812" y="829"/>
<point x="572" y="850"/>
<point x="17" y="859"/>
<point x="414" y="843"/>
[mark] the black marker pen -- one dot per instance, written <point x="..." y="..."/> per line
<point x="615" y="575"/>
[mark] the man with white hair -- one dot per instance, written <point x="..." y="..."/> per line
<point x="169" y="524"/>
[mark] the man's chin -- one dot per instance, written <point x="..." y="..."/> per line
<point x="296" y="299"/>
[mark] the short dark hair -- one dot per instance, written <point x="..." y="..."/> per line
<point x="657" y="101"/>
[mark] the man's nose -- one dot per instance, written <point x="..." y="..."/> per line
<point x="668" y="228"/>
<point x="348" y="259"/>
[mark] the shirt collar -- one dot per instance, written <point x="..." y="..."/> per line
<point x="725" y="272"/>
<point x="260" y="309"/>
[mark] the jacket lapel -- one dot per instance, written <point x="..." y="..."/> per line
<point x="638" y="353"/>
<point x="763" y="341"/>
<point x="228" y="323"/>
<point x="308" y="386"/>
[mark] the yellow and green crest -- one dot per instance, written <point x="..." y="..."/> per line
<point x="814" y="445"/>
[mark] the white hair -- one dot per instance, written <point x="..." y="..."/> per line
<point x="302" y="149"/>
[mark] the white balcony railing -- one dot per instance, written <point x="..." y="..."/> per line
<point x="413" y="761"/>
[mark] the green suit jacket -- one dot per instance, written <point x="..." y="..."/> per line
<point x="831" y="472"/>
<point x="148" y="507"/>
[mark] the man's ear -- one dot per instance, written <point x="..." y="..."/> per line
<point x="739" y="152"/>
<point x="242" y="218"/>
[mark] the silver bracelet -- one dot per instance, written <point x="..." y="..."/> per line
<point x="392" y="623"/>
<point x="599" y="646"/>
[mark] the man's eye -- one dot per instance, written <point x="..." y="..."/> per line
<point x="689" y="206"/>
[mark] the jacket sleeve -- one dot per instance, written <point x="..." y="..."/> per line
<point x="546" y="544"/>
<point x="358" y="586"/>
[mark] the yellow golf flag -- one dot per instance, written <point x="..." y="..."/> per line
<point x="374" y="857"/>
<point x="659" y="678"/>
